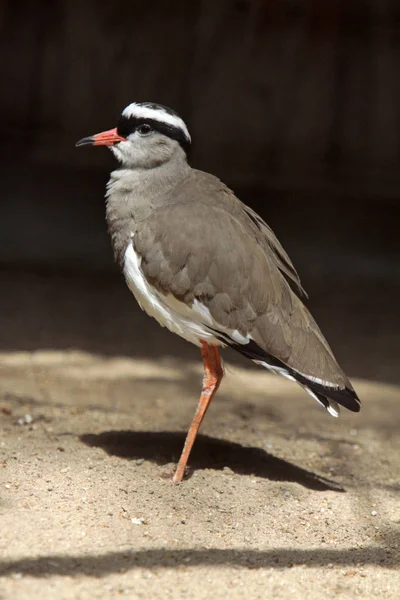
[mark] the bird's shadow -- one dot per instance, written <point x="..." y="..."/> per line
<point x="165" y="447"/>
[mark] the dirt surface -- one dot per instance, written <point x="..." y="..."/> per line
<point x="281" y="501"/>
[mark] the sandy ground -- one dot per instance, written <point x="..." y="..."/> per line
<point x="281" y="501"/>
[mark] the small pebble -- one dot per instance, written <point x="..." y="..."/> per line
<point x="373" y="513"/>
<point x="138" y="521"/>
<point x="227" y="470"/>
<point x="25" y="420"/>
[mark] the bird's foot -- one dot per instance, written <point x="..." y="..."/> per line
<point x="177" y="476"/>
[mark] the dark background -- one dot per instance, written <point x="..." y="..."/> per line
<point x="293" y="103"/>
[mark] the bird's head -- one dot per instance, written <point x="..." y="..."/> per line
<point x="147" y="136"/>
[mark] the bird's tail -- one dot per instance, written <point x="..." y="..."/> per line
<point x="327" y="394"/>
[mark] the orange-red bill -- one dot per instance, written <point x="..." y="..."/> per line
<point x="106" y="138"/>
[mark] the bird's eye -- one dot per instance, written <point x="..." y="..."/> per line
<point x="144" y="129"/>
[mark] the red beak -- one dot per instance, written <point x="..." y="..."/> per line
<point x="106" y="138"/>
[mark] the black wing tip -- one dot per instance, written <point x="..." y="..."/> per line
<point x="346" y="396"/>
<point x="351" y="400"/>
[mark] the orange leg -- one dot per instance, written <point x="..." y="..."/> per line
<point x="213" y="374"/>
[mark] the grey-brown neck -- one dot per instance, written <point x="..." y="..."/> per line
<point x="132" y="194"/>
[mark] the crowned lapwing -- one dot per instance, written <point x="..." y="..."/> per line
<point x="206" y="266"/>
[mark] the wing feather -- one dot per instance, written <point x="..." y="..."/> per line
<point x="210" y="248"/>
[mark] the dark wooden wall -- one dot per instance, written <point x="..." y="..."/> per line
<point x="295" y="103"/>
<point x="289" y="93"/>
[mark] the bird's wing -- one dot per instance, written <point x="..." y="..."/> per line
<point x="210" y="248"/>
<point x="200" y="252"/>
<point x="196" y="251"/>
<point x="282" y="260"/>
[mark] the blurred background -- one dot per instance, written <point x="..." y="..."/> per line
<point x="294" y="103"/>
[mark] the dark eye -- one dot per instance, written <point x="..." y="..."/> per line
<point x="144" y="129"/>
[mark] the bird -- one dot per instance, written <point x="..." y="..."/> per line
<point x="206" y="266"/>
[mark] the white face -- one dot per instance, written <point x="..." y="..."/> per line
<point x="153" y="136"/>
